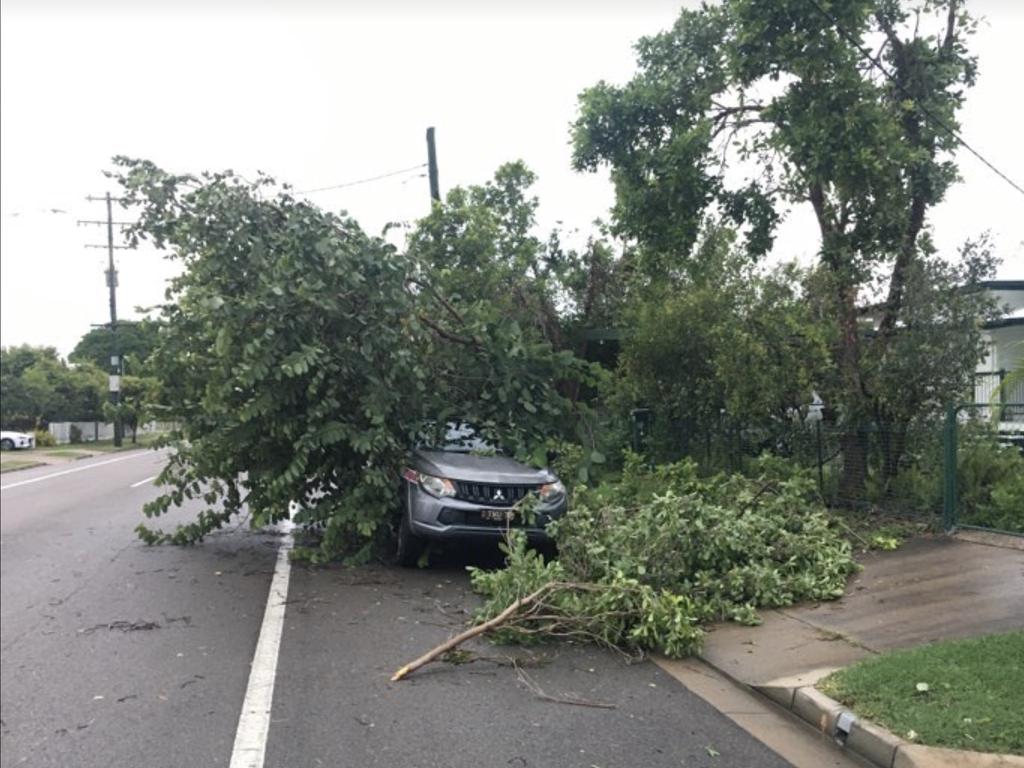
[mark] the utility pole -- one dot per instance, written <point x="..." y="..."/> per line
<point x="116" y="364"/>
<point x="435" y="187"/>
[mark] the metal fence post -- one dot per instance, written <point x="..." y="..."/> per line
<point x="949" y="474"/>
<point x="821" y="463"/>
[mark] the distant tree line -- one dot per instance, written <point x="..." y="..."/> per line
<point x="38" y="386"/>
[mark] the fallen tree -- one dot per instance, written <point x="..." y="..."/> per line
<point x="644" y="563"/>
<point x="303" y="357"/>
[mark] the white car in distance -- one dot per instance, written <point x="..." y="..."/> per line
<point x="12" y="441"/>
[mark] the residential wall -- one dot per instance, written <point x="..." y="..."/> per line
<point x="1005" y="343"/>
<point x="1005" y="352"/>
<point x="1014" y="299"/>
<point x="1007" y="347"/>
<point x="98" y="430"/>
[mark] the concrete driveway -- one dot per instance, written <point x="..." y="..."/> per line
<point x="931" y="588"/>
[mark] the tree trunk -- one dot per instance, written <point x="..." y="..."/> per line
<point x="853" y="442"/>
<point x="894" y="442"/>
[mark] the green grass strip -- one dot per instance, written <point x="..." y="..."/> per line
<point x="13" y="465"/>
<point x="963" y="694"/>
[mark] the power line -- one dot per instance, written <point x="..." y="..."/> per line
<point x="924" y="111"/>
<point x="55" y="211"/>
<point x="343" y="185"/>
<point x="361" y="181"/>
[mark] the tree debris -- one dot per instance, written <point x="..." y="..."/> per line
<point x="124" y="626"/>
<point x="454" y="642"/>
<point x="570" y="699"/>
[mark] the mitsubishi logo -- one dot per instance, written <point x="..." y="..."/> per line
<point x="498" y="495"/>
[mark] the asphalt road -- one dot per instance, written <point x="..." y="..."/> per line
<point x="117" y="654"/>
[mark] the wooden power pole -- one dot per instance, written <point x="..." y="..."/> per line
<point x="116" y="363"/>
<point x="435" y="187"/>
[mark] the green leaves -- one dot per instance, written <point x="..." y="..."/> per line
<point x="644" y="562"/>
<point x="745" y="110"/>
<point x="302" y="357"/>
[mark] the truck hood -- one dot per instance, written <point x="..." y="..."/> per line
<point x="498" y="470"/>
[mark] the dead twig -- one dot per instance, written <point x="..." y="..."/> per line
<point x="459" y="657"/>
<point x="570" y="699"/>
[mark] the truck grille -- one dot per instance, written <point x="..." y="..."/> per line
<point x="492" y="495"/>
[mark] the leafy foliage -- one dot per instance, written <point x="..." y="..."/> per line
<point x="724" y="346"/>
<point x="138" y="402"/>
<point x="44" y="439"/>
<point x="482" y="249"/>
<point x="990" y="481"/>
<point x="302" y="358"/>
<point x="37" y="387"/>
<point x="621" y="613"/>
<point x="744" y="110"/>
<point x="136" y="342"/>
<point x="663" y="551"/>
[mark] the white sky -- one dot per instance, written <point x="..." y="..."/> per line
<point x="321" y="94"/>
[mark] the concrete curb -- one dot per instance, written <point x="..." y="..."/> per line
<point x="871" y="742"/>
<point x="34" y="465"/>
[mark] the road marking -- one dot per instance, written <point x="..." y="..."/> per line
<point x="143" y="482"/>
<point x="72" y="471"/>
<point x="254" y="722"/>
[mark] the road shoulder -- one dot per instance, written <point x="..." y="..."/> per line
<point x="780" y="731"/>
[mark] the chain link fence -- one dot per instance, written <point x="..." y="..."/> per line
<point x="966" y="471"/>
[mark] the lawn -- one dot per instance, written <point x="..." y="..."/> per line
<point x="12" y="464"/>
<point x="965" y="694"/>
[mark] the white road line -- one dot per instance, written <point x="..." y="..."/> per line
<point x="254" y="722"/>
<point x="72" y="471"/>
<point x="143" y="482"/>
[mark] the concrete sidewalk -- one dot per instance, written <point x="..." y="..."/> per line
<point x="935" y="588"/>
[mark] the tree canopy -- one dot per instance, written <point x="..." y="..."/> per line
<point x="745" y="109"/>
<point x="135" y="340"/>
<point x="303" y="358"/>
<point x="37" y="387"/>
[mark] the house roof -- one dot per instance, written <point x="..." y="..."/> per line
<point x="1013" y="319"/>
<point x="1002" y="285"/>
<point x="1015" y="316"/>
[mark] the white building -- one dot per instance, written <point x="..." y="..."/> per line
<point x="1005" y="340"/>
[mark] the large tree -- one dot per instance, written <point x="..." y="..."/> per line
<point x="748" y="108"/>
<point x="37" y="387"/>
<point x="482" y="247"/>
<point x="135" y="342"/>
<point x="727" y="346"/>
<point x="303" y="358"/>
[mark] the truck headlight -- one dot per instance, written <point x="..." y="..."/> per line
<point x="438" y="487"/>
<point x="551" y="491"/>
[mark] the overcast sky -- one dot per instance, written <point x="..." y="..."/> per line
<point x="319" y="94"/>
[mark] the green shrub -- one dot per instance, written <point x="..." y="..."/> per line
<point x="568" y="462"/>
<point x="990" y="481"/>
<point x="664" y="551"/>
<point x="74" y="434"/>
<point x="44" y="439"/>
<point x="916" y="489"/>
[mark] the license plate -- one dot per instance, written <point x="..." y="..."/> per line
<point x="497" y="515"/>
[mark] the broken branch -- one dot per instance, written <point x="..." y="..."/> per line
<point x="469" y="634"/>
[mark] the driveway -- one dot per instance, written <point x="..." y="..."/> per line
<point x="931" y="588"/>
